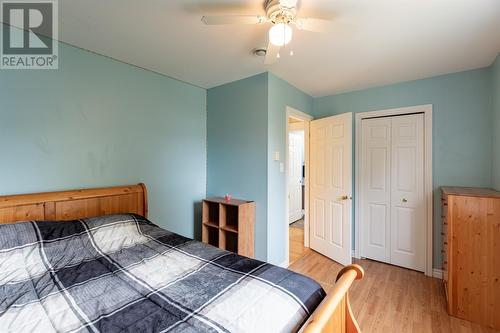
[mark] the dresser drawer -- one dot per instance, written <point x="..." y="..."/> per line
<point x="444" y="208"/>
<point x="444" y="238"/>
<point x="444" y="251"/>
<point x="444" y="227"/>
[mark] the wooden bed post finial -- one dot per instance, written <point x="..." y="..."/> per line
<point x="360" y="272"/>
<point x="334" y="314"/>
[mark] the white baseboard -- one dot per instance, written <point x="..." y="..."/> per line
<point x="437" y="273"/>
<point x="353" y="254"/>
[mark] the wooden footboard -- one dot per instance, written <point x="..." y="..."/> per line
<point x="334" y="314"/>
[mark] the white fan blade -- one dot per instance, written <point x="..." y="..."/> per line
<point x="315" y="25"/>
<point x="233" y="19"/>
<point x="271" y="54"/>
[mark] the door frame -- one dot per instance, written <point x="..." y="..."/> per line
<point x="428" y="187"/>
<point x="299" y="126"/>
<point x="294" y="113"/>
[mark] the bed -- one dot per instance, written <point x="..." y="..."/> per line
<point x="107" y="268"/>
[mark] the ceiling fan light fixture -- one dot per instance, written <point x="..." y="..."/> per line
<point x="280" y="34"/>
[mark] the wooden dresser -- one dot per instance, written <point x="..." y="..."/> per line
<point x="471" y="253"/>
<point x="229" y="225"/>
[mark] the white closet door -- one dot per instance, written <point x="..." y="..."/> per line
<point x="392" y="205"/>
<point x="375" y="174"/>
<point x="407" y="192"/>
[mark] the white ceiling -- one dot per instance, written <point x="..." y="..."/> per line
<point x="377" y="42"/>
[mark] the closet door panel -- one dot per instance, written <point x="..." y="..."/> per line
<point x="375" y="188"/>
<point x="407" y="192"/>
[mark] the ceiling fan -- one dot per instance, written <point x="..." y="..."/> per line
<point x="282" y="14"/>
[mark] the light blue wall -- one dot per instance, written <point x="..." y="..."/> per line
<point x="495" y="71"/>
<point x="281" y="95"/>
<point x="99" y="122"/>
<point x="237" y="132"/>
<point x="462" y="129"/>
<point x="246" y="124"/>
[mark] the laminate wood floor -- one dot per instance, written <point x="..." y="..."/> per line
<point x="388" y="298"/>
<point x="297" y="248"/>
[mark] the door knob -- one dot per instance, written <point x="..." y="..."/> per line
<point x="404" y="200"/>
<point x="345" y="197"/>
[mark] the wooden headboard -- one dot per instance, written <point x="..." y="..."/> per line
<point x="75" y="204"/>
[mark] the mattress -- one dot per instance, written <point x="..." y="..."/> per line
<point x="123" y="273"/>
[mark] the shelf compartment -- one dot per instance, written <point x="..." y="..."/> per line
<point x="211" y="235"/>
<point x="211" y="213"/>
<point x="229" y="240"/>
<point x="230" y="218"/>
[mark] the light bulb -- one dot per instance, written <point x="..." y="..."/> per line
<point x="280" y="34"/>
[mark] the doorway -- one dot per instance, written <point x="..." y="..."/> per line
<point x="296" y="174"/>
<point x="327" y="188"/>
<point x="296" y="171"/>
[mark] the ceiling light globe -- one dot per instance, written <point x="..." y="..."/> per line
<point x="280" y="34"/>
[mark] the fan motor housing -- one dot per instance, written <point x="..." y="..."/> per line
<point x="277" y="13"/>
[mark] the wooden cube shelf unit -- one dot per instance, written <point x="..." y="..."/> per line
<point x="229" y="225"/>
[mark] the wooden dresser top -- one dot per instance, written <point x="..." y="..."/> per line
<point x="470" y="191"/>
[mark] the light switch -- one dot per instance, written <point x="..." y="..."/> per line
<point x="282" y="167"/>
<point x="276" y="155"/>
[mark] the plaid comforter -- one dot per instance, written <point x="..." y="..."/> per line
<point x="123" y="273"/>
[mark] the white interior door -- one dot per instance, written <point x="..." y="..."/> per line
<point x="295" y="163"/>
<point x="392" y="203"/>
<point x="407" y="192"/>
<point x="375" y="175"/>
<point x="331" y="187"/>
